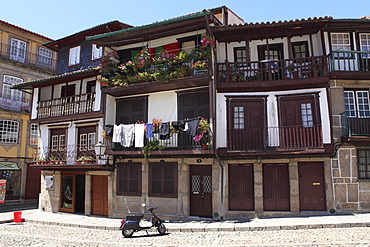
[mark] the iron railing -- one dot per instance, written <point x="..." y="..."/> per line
<point x="64" y="155"/>
<point x="26" y="57"/>
<point x="349" y="61"/>
<point x="356" y="123"/>
<point x="276" y="138"/>
<point x="269" y="70"/>
<point x="8" y="103"/>
<point x="66" y="106"/>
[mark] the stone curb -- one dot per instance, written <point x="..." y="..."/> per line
<point x="207" y="228"/>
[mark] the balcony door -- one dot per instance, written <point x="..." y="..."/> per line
<point x="300" y="122"/>
<point x="58" y="148"/>
<point x="247" y="124"/>
<point x="18" y="50"/>
<point x="86" y="141"/>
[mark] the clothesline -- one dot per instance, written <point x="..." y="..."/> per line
<point x="134" y="134"/>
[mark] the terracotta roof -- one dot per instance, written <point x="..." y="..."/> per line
<point x="29" y="84"/>
<point x="25" y="30"/>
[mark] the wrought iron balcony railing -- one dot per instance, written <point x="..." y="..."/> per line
<point x="65" y="155"/>
<point x="270" y="70"/>
<point x="349" y="61"/>
<point x="356" y="123"/>
<point x="66" y="106"/>
<point x="23" y="56"/>
<point x="8" y="103"/>
<point x="276" y="138"/>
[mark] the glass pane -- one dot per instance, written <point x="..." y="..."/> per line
<point x="67" y="192"/>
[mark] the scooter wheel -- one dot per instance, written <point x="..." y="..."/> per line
<point x="127" y="233"/>
<point x="161" y="229"/>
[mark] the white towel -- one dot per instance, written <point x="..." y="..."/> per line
<point x="128" y="135"/>
<point x="117" y="131"/>
<point x="139" y="135"/>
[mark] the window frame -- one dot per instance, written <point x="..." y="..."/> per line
<point x="6" y="130"/>
<point x="123" y="180"/>
<point x="367" y="45"/>
<point x="160" y="166"/>
<point x="365" y="165"/>
<point x="14" y="95"/>
<point x="95" y="50"/>
<point x="34" y="134"/>
<point x="45" y="56"/>
<point x="243" y="58"/>
<point x="355" y="110"/>
<point x="74" y="56"/>
<point x="349" y="46"/>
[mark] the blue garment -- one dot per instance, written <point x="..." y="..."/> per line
<point x="149" y="130"/>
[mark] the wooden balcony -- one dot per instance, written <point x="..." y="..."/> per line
<point x="66" y="106"/>
<point x="278" y="73"/>
<point x="352" y="65"/>
<point x="286" y="138"/>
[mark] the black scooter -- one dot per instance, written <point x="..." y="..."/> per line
<point x="132" y="223"/>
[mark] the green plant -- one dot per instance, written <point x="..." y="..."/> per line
<point x="152" y="146"/>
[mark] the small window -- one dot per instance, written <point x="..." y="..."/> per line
<point x="163" y="179"/>
<point x="363" y="163"/>
<point x="74" y="55"/>
<point x="9" y="131"/>
<point x="34" y="134"/>
<point x="97" y="52"/>
<point x="45" y="55"/>
<point x="340" y="42"/>
<point x="300" y="49"/>
<point x="240" y="54"/>
<point x="238" y="117"/>
<point x="129" y="179"/>
<point x="307" y="117"/>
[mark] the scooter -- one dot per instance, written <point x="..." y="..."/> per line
<point x="132" y="223"/>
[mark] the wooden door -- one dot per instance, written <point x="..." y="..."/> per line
<point x="247" y="124"/>
<point x="33" y="182"/>
<point x="276" y="192"/>
<point x="201" y="190"/>
<point x="311" y="186"/>
<point x="241" y="187"/>
<point x="99" y="195"/>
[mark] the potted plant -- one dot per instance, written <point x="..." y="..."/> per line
<point x="52" y="160"/>
<point x="152" y="146"/>
<point x="200" y="67"/>
<point x="80" y="160"/>
<point x="87" y="159"/>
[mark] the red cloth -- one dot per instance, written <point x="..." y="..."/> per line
<point x="173" y="48"/>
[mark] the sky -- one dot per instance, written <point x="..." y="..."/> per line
<point x="58" y="19"/>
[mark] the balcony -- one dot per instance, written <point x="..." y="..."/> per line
<point x="8" y="103"/>
<point x="66" y="106"/>
<point x="283" y="72"/>
<point x="356" y="123"/>
<point x="349" y="61"/>
<point x="287" y="138"/>
<point x="29" y="58"/>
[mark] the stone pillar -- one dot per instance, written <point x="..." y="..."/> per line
<point x="88" y="194"/>
<point x="258" y="187"/>
<point x="294" y="187"/>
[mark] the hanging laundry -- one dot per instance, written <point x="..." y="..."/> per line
<point x="117" y="133"/>
<point x="164" y="131"/>
<point x="109" y="130"/>
<point x="193" y="127"/>
<point x="139" y="135"/>
<point x="149" y="130"/>
<point x="128" y="135"/>
<point x="198" y="137"/>
<point x="179" y="125"/>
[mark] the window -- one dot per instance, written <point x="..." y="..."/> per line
<point x="163" y="179"/>
<point x="58" y="142"/>
<point x="365" y="44"/>
<point x="18" y="50"/>
<point x="363" y="159"/>
<point x="34" y="134"/>
<point x="357" y="103"/>
<point x="9" y="131"/>
<point x="240" y="54"/>
<point x="74" y="55"/>
<point x="87" y="141"/>
<point x="340" y="42"/>
<point x="300" y="49"/>
<point x="238" y="117"/>
<point x="129" y="179"/>
<point x="307" y="117"/>
<point x="11" y="94"/>
<point x="97" y="52"/>
<point x="45" y="55"/>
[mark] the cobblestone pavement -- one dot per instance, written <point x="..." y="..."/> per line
<point x="33" y="234"/>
